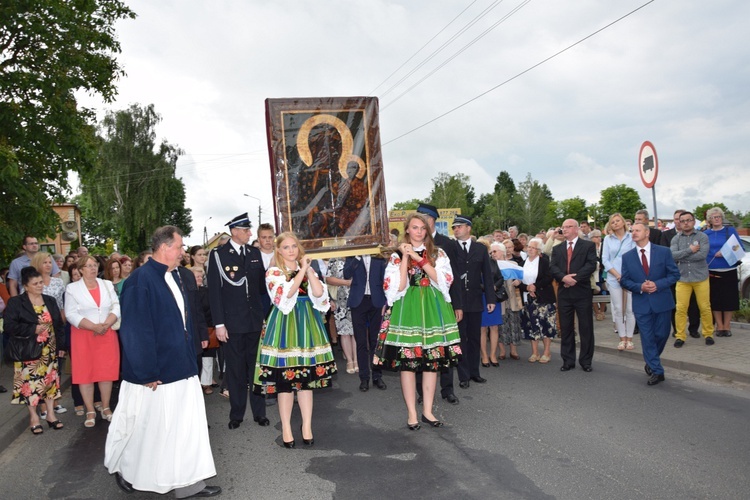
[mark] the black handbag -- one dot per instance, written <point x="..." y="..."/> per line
<point x="24" y="348"/>
<point x="501" y="294"/>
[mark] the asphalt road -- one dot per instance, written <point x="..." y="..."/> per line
<point x="530" y="432"/>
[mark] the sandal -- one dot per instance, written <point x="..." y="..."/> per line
<point x="107" y="416"/>
<point x="349" y="367"/>
<point x="90" y="422"/>
<point x="80" y="411"/>
<point x="224" y="394"/>
<point x="35" y="428"/>
<point x="533" y="358"/>
<point x="544" y="359"/>
<point x="207" y="390"/>
<point x="629" y="346"/>
<point x="98" y="406"/>
<point x="57" y="425"/>
<point x="621" y="345"/>
<point x="515" y="356"/>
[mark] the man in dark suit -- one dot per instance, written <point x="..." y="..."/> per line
<point x="694" y="315"/>
<point x="366" y="301"/>
<point x="474" y="272"/>
<point x="236" y="282"/>
<point x="572" y="264"/>
<point x="649" y="271"/>
<point x="654" y="235"/>
<point x="450" y="247"/>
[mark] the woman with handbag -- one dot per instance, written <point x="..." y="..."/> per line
<point x="33" y="322"/>
<point x="491" y="321"/>
<point x="538" y="314"/>
<point x="510" y="330"/>
<point x="93" y="309"/>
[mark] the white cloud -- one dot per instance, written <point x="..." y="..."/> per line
<point x="674" y="75"/>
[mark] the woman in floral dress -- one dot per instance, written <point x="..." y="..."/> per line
<point x="33" y="313"/>
<point x="295" y="353"/>
<point x="419" y="331"/>
<point x="342" y="314"/>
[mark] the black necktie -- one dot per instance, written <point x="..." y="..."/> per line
<point x="242" y="252"/>
<point x="466" y="250"/>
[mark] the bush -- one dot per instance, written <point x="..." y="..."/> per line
<point x="743" y="314"/>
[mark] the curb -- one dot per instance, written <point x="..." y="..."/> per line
<point x="682" y="365"/>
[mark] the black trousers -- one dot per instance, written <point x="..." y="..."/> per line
<point x="240" y="352"/>
<point x="366" y="320"/>
<point x="470" y="329"/>
<point x="582" y="308"/>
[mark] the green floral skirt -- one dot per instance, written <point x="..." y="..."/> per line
<point x="419" y="333"/>
<point x="294" y="351"/>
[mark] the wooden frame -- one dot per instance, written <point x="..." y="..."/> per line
<point x="327" y="172"/>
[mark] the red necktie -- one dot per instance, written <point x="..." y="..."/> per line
<point x="644" y="261"/>
<point x="570" y="254"/>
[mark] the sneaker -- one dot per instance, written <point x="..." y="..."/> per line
<point x="60" y="409"/>
<point x="43" y="414"/>
<point x="710" y="341"/>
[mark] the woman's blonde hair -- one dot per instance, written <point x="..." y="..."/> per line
<point x="38" y="259"/>
<point x="278" y="259"/>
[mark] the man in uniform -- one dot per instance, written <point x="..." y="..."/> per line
<point x="236" y="283"/>
<point x="451" y="250"/>
<point x="474" y="272"/>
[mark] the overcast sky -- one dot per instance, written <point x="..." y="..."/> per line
<point x="675" y="73"/>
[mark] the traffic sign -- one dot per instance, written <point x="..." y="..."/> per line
<point x="648" y="164"/>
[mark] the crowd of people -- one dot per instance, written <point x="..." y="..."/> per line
<point x="264" y="318"/>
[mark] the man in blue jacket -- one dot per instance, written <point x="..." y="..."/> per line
<point x="649" y="271"/>
<point x="366" y="300"/>
<point x="158" y="438"/>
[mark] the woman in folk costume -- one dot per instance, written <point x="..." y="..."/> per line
<point x="295" y="353"/>
<point x="419" y="331"/>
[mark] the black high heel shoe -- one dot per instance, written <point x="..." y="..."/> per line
<point x="486" y="365"/>
<point x="308" y="442"/>
<point x="413" y="427"/>
<point x="57" y="425"/>
<point x="290" y="444"/>
<point x="433" y="423"/>
<point x="495" y="363"/>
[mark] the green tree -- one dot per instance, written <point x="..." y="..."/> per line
<point x="532" y="203"/>
<point x="571" y="208"/>
<point x="700" y="211"/>
<point x="134" y="188"/>
<point x="619" y="198"/>
<point x="407" y="205"/>
<point x="452" y="191"/>
<point x="48" y="51"/>
<point x="497" y="210"/>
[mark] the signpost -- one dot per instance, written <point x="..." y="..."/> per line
<point x="648" y="169"/>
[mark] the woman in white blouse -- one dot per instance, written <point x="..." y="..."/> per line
<point x="92" y="308"/>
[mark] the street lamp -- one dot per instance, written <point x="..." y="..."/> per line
<point x="205" y="232"/>
<point x="259" y="205"/>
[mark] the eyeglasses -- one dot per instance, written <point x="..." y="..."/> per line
<point x="716" y="217"/>
<point x="686" y="220"/>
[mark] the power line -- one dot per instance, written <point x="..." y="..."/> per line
<point x="372" y="92"/>
<point x="445" y="44"/>
<point x="519" y="74"/>
<point x="460" y="51"/>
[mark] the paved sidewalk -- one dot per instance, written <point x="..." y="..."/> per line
<point x="726" y="359"/>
